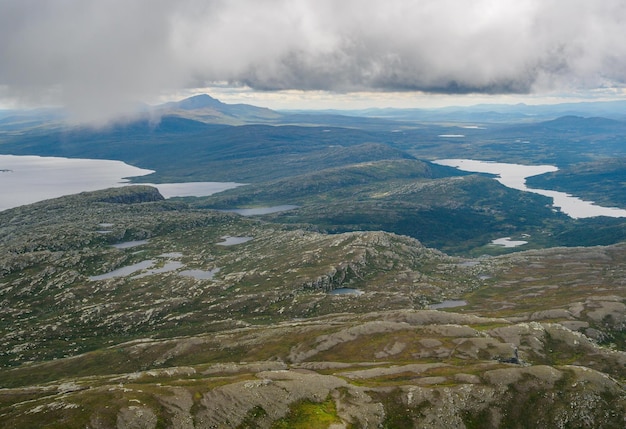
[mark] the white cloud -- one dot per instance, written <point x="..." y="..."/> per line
<point x="101" y="57"/>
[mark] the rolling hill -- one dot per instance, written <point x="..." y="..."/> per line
<point x="119" y="308"/>
<point x="251" y="332"/>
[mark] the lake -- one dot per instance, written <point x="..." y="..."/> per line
<point x="193" y="189"/>
<point x="507" y="242"/>
<point x="449" y="303"/>
<point x="231" y="241"/>
<point x="28" y="179"/>
<point x="262" y="210"/>
<point x="146" y="268"/>
<point x="346" y="291"/>
<point x="514" y="176"/>
<point x="124" y="271"/>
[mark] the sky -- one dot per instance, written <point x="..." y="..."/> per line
<point x="101" y="58"/>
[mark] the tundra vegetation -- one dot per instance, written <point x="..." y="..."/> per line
<point x="119" y="308"/>
<point x="262" y="343"/>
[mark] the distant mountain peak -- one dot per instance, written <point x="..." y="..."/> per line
<point x="575" y="119"/>
<point x="198" y="102"/>
<point x="207" y="109"/>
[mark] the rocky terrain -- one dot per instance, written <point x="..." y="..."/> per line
<point x="120" y="309"/>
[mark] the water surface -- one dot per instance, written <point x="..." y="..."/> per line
<point x="200" y="274"/>
<point x="28" y="179"/>
<point x="193" y="189"/>
<point x="231" y="241"/>
<point x="34" y="178"/>
<point x="514" y="176"/>
<point x="171" y="255"/>
<point x="346" y="291"/>
<point x="449" y="303"/>
<point x="262" y="210"/>
<point x="124" y="271"/>
<point x="130" y="244"/>
<point x="507" y="242"/>
<point x="166" y="268"/>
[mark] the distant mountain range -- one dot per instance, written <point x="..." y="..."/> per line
<point x="496" y="113"/>
<point x="207" y="109"/>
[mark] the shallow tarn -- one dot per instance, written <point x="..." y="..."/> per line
<point x="449" y="303"/>
<point x="346" y="291"/>
<point x="257" y="211"/>
<point x="231" y="241"/>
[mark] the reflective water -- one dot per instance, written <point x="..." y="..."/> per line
<point x="166" y="268"/>
<point x="346" y="291"/>
<point x="514" y="176"/>
<point x="193" y="189"/>
<point x="144" y="268"/>
<point x="231" y="241"/>
<point x="200" y="274"/>
<point x="171" y="255"/>
<point x="507" y="242"/>
<point x="450" y="303"/>
<point x="130" y="244"/>
<point x="262" y="210"/>
<point x="28" y="179"/>
<point x="468" y="264"/>
<point x="124" y="271"/>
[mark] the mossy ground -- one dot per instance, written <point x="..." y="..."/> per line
<point x="132" y="341"/>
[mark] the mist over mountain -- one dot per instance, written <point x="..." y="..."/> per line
<point x="100" y="60"/>
<point x="207" y="109"/>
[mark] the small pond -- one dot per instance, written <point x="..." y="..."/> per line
<point x="124" y="271"/>
<point x="507" y="242"/>
<point x="346" y="291"/>
<point x="231" y="241"/>
<point x="449" y="303"/>
<point x="262" y="210"/>
<point x="166" y="268"/>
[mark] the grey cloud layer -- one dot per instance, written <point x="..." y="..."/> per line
<point x="118" y="52"/>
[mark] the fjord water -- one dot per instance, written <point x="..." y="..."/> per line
<point x="28" y="179"/>
<point x="514" y="176"/>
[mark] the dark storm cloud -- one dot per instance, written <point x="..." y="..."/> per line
<point x="101" y="56"/>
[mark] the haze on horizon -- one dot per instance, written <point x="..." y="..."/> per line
<point x="101" y="59"/>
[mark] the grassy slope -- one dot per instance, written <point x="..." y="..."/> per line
<point x="349" y="179"/>
<point x="184" y="150"/>
<point x="458" y="214"/>
<point x="351" y="359"/>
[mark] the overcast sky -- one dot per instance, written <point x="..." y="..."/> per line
<point x="101" y="57"/>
